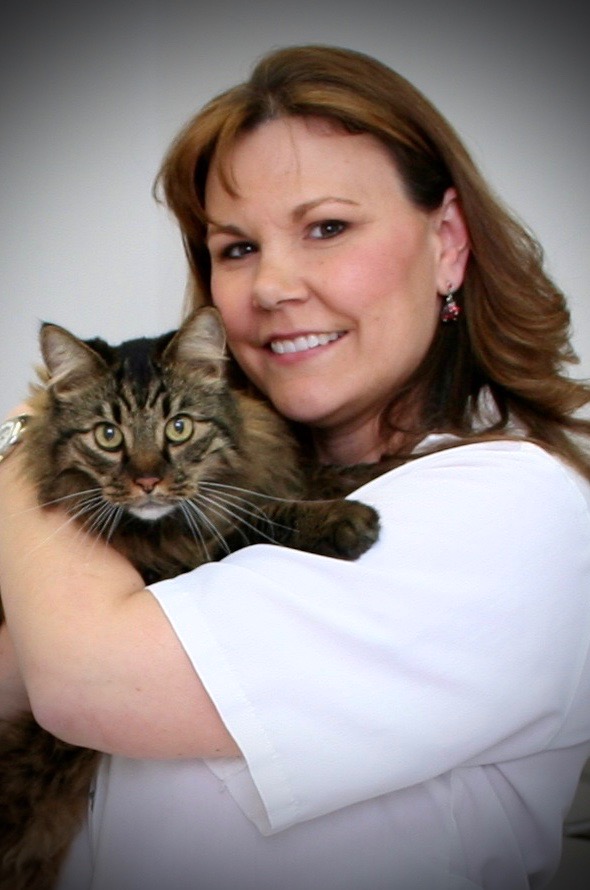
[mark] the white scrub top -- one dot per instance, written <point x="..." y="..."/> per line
<point x="414" y="720"/>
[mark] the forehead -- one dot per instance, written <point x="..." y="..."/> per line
<point x="299" y="156"/>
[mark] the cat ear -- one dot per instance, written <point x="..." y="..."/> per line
<point x="71" y="364"/>
<point x="200" y="344"/>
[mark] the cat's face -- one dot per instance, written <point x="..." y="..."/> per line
<point x="142" y="426"/>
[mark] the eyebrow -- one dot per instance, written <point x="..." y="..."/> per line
<point x="304" y="208"/>
<point x="297" y="214"/>
<point x="214" y="228"/>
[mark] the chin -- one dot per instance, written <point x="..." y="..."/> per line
<point x="304" y="404"/>
<point x="305" y="414"/>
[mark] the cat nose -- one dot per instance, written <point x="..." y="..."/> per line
<point x="147" y="483"/>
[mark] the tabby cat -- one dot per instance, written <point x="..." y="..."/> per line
<point x="149" y="446"/>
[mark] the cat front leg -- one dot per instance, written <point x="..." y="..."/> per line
<point x="343" y="529"/>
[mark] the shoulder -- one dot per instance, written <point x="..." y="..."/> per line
<point x="506" y="501"/>
<point x="498" y="468"/>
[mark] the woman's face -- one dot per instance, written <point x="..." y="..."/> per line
<point x="327" y="276"/>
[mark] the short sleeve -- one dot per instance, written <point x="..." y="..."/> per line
<point x="461" y="638"/>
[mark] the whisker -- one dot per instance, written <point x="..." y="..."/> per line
<point x="114" y="519"/>
<point x="81" y="511"/>
<point x="76" y="494"/>
<point x="241" y="509"/>
<point x="202" y="517"/>
<point x="88" y="505"/>
<point x="195" y="527"/>
<point x="99" y="520"/>
<point x="222" y="509"/>
<point x="98" y="512"/>
<point x="102" y="519"/>
<point x="96" y="492"/>
<point x="241" y="505"/>
<point x="206" y="520"/>
<point x="205" y="483"/>
<point x="228" y="494"/>
<point x="68" y="521"/>
<point x="219" y="509"/>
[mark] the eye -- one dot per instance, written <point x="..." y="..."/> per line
<point x="179" y="429"/>
<point x="329" y="228"/>
<point x="237" y="250"/>
<point x="108" y="436"/>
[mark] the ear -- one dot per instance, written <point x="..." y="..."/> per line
<point x="71" y="364"/>
<point x="453" y="240"/>
<point x="200" y="344"/>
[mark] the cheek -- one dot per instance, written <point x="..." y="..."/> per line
<point x="373" y="275"/>
<point x="229" y="299"/>
<point x="397" y="281"/>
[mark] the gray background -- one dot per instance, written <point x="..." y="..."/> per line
<point x="92" y="94"/>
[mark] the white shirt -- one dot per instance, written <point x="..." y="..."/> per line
<point x="416" y="719"/>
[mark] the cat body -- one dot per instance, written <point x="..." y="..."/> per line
<point x="149" y="447"/>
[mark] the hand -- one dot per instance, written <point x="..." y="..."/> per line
<point x="23" y="408"/>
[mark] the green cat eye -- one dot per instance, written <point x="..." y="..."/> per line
<point x="108" y="436"/>
<point x="179" y="429"/>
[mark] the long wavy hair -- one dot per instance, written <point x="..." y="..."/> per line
<point x="512" y="341"/>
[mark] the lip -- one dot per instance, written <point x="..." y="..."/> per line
<point x="301" y="342"/>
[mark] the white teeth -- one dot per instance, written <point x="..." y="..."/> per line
<point x="301" y="344"/>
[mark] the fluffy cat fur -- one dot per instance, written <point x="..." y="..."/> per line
<point x="149" y="446"/>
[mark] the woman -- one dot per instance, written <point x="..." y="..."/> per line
<point x="417" y="719"/>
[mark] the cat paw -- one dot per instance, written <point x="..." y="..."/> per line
<point x="350" y="534"/>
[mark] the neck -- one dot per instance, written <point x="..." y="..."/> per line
<point x="347" y="448"/>
<point x="361" y="448"/>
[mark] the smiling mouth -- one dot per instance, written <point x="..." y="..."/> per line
<point x="303" y="343"/>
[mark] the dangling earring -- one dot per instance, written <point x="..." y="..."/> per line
<point x="450" y="309"/>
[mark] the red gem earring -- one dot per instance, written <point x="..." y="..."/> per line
<point x="450" y="309"/>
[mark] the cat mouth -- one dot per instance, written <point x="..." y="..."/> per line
<point x="303" y="342"/>
<point x="150" y="511"/>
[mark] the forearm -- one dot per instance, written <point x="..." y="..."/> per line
<point x="13" y="694"/>
<point x="99" y="660"/>
<point x="57" y="584"/>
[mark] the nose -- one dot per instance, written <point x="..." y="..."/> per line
<point x="147" y="483"/>
<point x="278" y="281"/>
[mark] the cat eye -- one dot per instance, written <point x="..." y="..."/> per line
<point x="179" y="429"/>
<point x="108" y="436"/>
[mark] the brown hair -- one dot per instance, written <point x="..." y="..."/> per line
<point x="513" y="335"/>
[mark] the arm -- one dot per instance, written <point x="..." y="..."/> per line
<point x="13" y="694"/>
<point x="100" y="662"/>
<point x="459" y="639"/>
